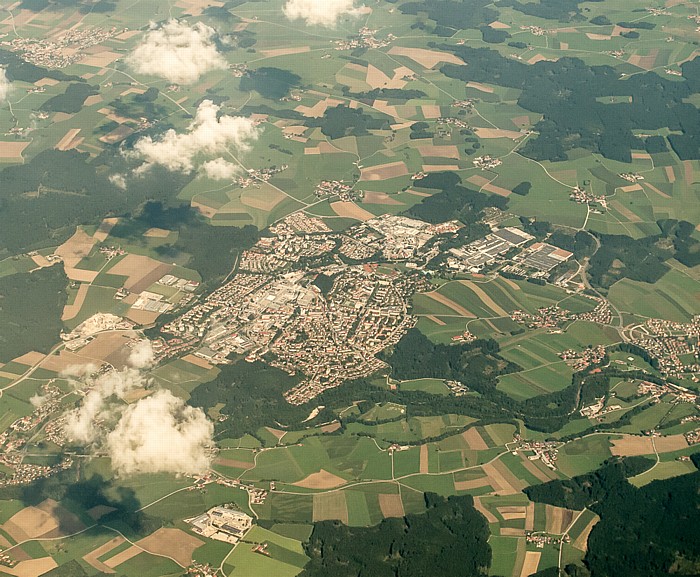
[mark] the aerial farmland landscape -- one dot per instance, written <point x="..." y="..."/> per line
<point x="325" y="288"/>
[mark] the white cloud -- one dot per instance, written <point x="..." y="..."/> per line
<point x="161" y="433"/>
<point x="219" y="169"/>
<point x="177" y="52"/>
<point x="118" y="180"/>
<point x="208" y="134"/>
<point x="158" y="433"/>
<point x="321" y="12"/>
<point x="5" y="86"/>
<point x="142" y="355"/>
<point x="101" y="404"/>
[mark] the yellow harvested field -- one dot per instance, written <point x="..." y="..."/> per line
<point x="670" y="443"/>
<point x="641" y="156"/>
<point x="391" y="505"/>
<point x="173" y="543"/>
<point x="521" y="121"/>
<point x="497" y="133"/>
<point x="380" y="198"/>
<point x="670" y="174"/>
<point x="30" y="523"/>
<point x="426" y="58"/>
<point x="109" y="347"/>
<point x="31" y="358"/>
<point x="384" y="171"/>
<point x="12" y="150"/>
<point x="331" y="427"/>
<point x="486" y="299"/>
<point x="500" y="191"/>
<point x="558" y="519"/>
<point x="474" y="440"/>
<point x="645" y="62"/>
<point x="318" y="109"/>
<point x="46" y="82"/>
<point x="499" y="25"/>
<point x="581" y="542"/>
<point x="530" y="516"/>
<point x="351" y="210"/>
<point x="512" y="512"/>
<point x="81" y="275"/>
<point x="444" y="151"/>
<point x="156" y="233"/>
<point x="93" y="556"/>
<point x="481" y="87"/>
<point x="122" y="557"/>
<point x="479" y="506"/>
<point x="688" y="166"/>
<point x="286" y="51"/>
<point x="450" y="304"/>
<point x="142" y="271"/>
<point x="386" y="108"/>
<point x="592" y="36"/>
<point x="631" y="188"/>
<point x="198" y="361"/>
<point x="436" y="320"/>
<point x="117" y="135"/>
<point x="423" y="467"/>
<point x="532" y="560"/>
<point x="439" y="167"/>
<point x="512" y="532"/>
<point x="69" y="140"/>
<point x="632" y="446"/>
<point x="101" y="59"/>
<point x="330" y="506"/>
<point x="431" y="111"/>
<point x="32" y="567"/>
<point x="104" y="229"/>
<point x="41" y="261"/>
<point x="75" y="248"/>
<point x="266" y="199"/>
<point x="71" y="311"/>
<point x="377" y="79"/>
<point x="321" y="480"/>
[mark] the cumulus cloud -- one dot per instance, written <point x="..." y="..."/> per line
<point x="142" y="355"/>
<point x="321" y="12"/>
<point x="5" y="86"/>
<point x="177" y="52"/>
<point x="219" y="169"/>
<point x="118" y="180"/>
<point x="158" y="433"/>
<point x="100" y="404"/>
<point x="161" y="433"/>
<point x="208" y="134"/>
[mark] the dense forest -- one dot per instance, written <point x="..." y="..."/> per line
<point x="342" y="121"/>
<point x="31" y="305"/>
<point x="565" y="93"/>
<point x="450" y="540"/>
<point x="67" y="189"/>
<point x="643" y="532"/>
